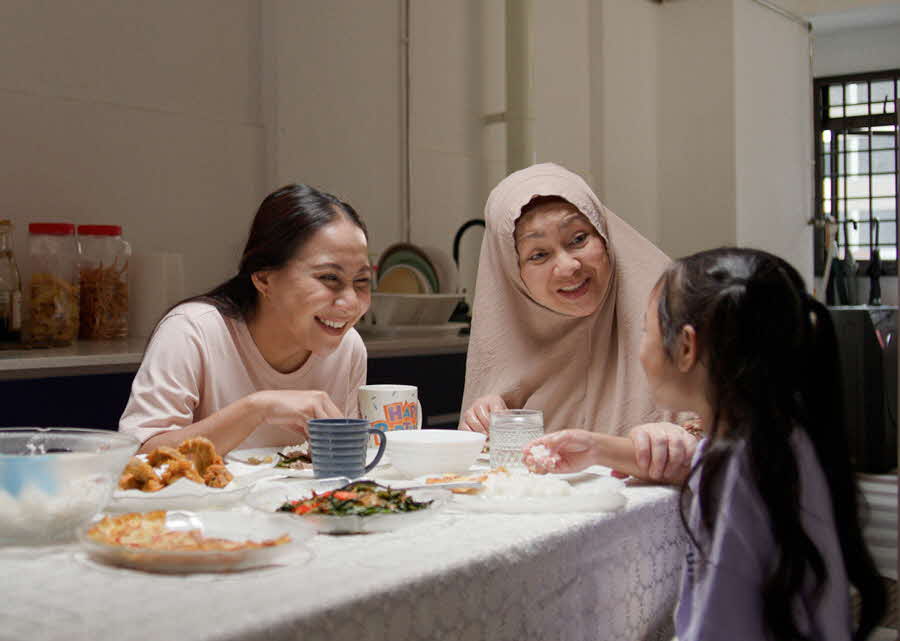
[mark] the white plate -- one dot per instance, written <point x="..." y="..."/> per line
<point x="241" y="456"/>
<point x="180" y="495"/>
<point x="236" y="526"/>
<point x="606" y="502"/>
<point x="603" y="494"/>
<point x="411" y="331"/>
<point x="447" y="271"/>
<point x="268" y="470"/>
<point x="271" y="497"/>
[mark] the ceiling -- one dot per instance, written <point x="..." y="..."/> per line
<point x="878" y="16"/>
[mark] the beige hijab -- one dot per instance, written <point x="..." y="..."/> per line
<point x="582" y="372"/>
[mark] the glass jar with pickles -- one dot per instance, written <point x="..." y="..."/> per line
<point x="53" y="287"/>
<point x="10" y="287"/>
<point x="103" y="299"/>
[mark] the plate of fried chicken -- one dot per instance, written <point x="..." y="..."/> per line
<point x="191" y="476"/>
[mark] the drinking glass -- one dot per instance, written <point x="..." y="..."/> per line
<point x="512" y="430"/>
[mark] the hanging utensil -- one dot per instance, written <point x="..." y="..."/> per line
<point x="875" y="270"/>
<point x="831" y="249"/>
<point x="851" y="267"/>
<point x="462" y="313"/>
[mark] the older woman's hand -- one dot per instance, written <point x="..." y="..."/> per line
<point x="478" y="417"/>
<point x="663" y="451"/>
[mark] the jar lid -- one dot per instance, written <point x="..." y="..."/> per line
<point x="99" y="230"/>
<point x="53" y="229"/>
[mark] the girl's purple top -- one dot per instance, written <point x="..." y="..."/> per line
<point x="721" y="596"/>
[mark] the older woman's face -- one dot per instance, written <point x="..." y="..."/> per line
<point x="562" y="259"/>
<point x="321" y="293"/>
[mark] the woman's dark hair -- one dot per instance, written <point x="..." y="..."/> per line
<point x="284" y="222"/>
<point x="772" y="363"/>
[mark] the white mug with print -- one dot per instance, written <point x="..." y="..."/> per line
<point x="391" y="407"/>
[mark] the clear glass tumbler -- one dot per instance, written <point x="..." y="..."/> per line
<point x="511" y="430"/>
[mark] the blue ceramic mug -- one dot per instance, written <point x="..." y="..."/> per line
<point x="338" y="447"/>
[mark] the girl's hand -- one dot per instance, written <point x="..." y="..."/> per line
<point x="293" y="408"/>
<point x="568" y="451"/>
<point x="478" y="417"/>
<point x="663" y="451"/>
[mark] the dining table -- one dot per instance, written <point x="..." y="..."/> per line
<point x="458" y="575"/>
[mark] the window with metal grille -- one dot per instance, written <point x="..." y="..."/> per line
<point x="856" y="166"/>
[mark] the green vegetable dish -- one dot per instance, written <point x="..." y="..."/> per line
<point x="296" y="459"/>
<point x="360" y="498"/>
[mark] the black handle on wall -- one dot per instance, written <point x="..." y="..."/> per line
<point x="459" y="234"/>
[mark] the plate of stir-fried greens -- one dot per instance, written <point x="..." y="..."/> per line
<point x="357" y="507"/>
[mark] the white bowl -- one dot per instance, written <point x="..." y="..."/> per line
<point x="53" y="480"/>
<point x="411" y="309"/>
<point x="419" y="452"/>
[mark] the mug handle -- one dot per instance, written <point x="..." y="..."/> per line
<point x="419" y="405"/>
<point x="381" y="444"/>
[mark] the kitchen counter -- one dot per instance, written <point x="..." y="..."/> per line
<point x="116" y="356"/>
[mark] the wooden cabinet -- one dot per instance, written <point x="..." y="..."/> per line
<point x="52" y="391"/>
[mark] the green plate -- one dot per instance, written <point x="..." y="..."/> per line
<point x="406" y="254"/>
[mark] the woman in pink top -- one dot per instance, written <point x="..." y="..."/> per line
<point x="251" y="361"/>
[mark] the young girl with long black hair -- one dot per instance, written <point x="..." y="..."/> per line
<point x="770" y="505"/>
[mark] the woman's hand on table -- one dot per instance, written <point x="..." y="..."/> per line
<point x="293" y="408"/>
<point x="568" y="451"/>
<point x="663" y="451"/>
<point x="478" y="417"/>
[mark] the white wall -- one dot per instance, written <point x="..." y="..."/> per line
<point x="332" y="103"/>
<point x="773" y="135"/>
<point x="176" y="118"/>
<point x="624" y="104"/>
<point x="818" y="7"/>
<point x="562" y="90"/>
<point x="857" y="50"/>
<point x="142" y="114"/>
<point x="696" y="161"/>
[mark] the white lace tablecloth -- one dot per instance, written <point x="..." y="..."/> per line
<point x="459" y="576"/>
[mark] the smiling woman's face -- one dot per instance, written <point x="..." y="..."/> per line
<point x="324" y="289"/>
<point x="562" y="258"/>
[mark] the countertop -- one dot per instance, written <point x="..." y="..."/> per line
<point x="124" y="355"/>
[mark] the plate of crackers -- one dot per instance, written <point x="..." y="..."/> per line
<point x="179" y="541"/>
<point x="191" y="476"/>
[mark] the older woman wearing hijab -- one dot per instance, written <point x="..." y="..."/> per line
<point x="562" y="287"/>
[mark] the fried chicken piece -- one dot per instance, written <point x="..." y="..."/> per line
<point x="153" y="485"/>
<point x="202" y="452"/>
<point x="137" y="475"/>
<point x="181" y="469"/>
<point x="217" y="476"/>
<point x="164" y="454"/>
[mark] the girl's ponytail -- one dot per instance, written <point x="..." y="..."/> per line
<point x="823" y="401"/>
